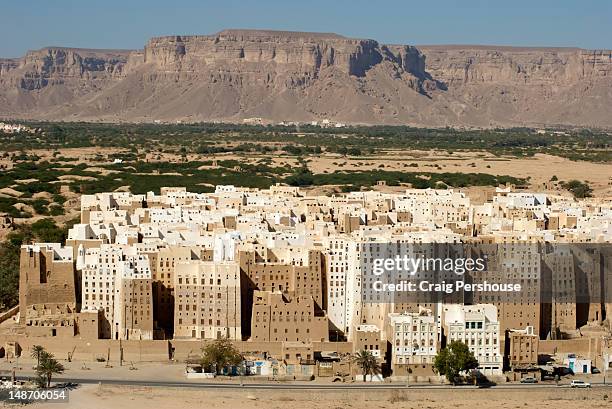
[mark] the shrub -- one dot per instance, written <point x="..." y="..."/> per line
<point x="579" y="189"/>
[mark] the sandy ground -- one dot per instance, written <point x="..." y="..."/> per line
<point x="77" y="152"/>
<point x="78" y="369"/>
<point x="118" y="397"/>
<point x="540" y="168"/>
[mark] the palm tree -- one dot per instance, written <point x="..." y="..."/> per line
<point x="37" y="352"/>
<point x="49" y="366"/>
<point x="367" y="362"/>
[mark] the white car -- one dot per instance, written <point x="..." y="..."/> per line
<point x="579" y="384"/>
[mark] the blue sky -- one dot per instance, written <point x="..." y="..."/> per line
<point x="31" y="24"/>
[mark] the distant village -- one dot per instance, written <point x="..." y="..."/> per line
<point x="16" y="128"/>
<point x="325" y="123"/>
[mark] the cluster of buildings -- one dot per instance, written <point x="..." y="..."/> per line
<point x="324" y="123"/>
<point x="279" y="267"/>
<point x="15" y="128"/>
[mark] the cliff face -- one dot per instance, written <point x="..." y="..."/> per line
<point x="236" y="74"/>
<point x="307" y="52"/>
<point x="474" y="65"/>
<point x="523" y="86"/>
<point x="43" y="80"/>
<point x="288" y="59"/>
<point x="52" y="66"/>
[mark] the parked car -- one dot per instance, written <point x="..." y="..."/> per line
<point x="580" y="384"/>
<point x="595" y="370"/>
<point x="529" y="379"/>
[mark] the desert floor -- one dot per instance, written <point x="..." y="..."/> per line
<point x="118" y="397"/>
<point x="540" y="168"/>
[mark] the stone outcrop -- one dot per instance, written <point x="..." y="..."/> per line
<point x="236" y="74"/>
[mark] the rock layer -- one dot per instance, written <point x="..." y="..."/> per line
<point x="238" y="74"/>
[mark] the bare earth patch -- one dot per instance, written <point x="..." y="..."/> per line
<point x="120" y="397"/>
<point x="11" y="192"/>
<point x="76" y="177"/>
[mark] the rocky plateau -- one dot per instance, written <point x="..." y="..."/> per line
<point x="292" y="76"/>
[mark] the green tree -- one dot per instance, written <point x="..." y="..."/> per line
<point x="220" y="354"/>
<point x="37" y="353"/>
<point x="579" y="189"/>
<point x="48" y="367"/>
<point x="354" y="152"/>
<point x="455" y="358"/>
<point x="46" y="231"/>
<point x="303" y="177"/>
<point x="367" y="362"/>
<point x="9" y="269"/>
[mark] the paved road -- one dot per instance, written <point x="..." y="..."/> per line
<point x="305" y="386"/>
